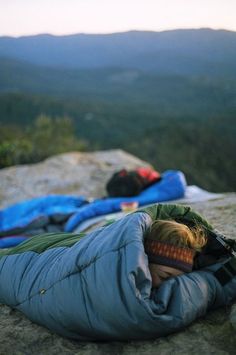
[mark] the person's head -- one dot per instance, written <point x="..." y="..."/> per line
<point x="171" y="247"/>
<point x="124" y="183"/>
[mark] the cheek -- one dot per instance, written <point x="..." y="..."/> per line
<point x="156" y="281"/>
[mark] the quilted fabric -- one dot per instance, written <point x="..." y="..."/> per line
<point x="99" y="288"/>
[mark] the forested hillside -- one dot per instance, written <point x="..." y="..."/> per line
<point x="176" y="119"/>
<point x="202" y="145"/>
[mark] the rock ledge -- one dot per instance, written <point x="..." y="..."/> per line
<point x="86" y="174"/>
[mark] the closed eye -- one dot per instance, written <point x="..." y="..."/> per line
<point x="163" y="278"/>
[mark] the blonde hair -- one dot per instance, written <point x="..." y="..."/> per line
<point x="178" y="234"/>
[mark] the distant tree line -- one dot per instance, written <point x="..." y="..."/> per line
<point x="201" y="143"/>
<point x="204" y="151"/>
<point x="45" y="137"/>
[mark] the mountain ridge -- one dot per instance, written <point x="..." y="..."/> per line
<point x="119" y="32"/>
<point x="131" y="90"/>
<point x="166" y="51"/>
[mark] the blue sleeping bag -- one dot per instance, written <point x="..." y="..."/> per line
<point x="172" y="186"/>
<point x="99" y="288"/>
<point x="35" y="212"/>
<point x="37" y="215"/>
<point x="11" y="241"/>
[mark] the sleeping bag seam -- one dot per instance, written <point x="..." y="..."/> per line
<point x="70" y="274"/>
<point x="86" y="309"/>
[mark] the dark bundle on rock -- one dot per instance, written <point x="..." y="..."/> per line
<point x="131" y="183"/>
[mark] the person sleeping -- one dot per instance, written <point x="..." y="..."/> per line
<point x="171" y="248"/>
<point x="146" y="275"/>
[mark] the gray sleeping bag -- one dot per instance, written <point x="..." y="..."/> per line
<point x="99" y="288"/>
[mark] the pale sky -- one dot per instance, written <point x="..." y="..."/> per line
<point x="26" y="17"/>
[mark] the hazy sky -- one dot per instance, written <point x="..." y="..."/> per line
<point x="24" y="17"/>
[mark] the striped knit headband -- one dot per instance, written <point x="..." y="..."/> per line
<point x="168" y="254"/>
